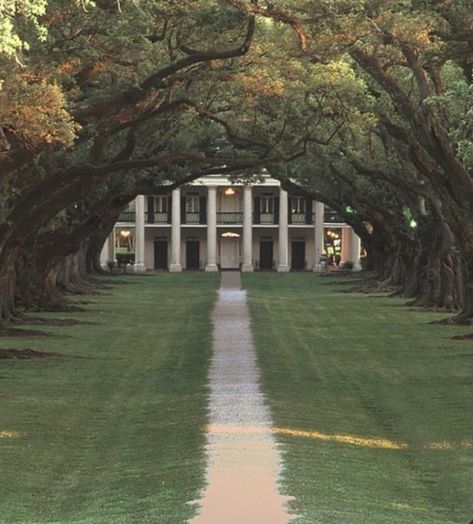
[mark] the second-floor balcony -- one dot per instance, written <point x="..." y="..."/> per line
<point x="127" y="216"/>
<point x="229" y="218"/>
<point x="300" y="219"/>
<point x="154" y="217"/>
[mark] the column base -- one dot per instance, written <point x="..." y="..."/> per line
<point x="318" y="268"/>
<point x="356" y="267"/>
<point x="283" y="268"/>
<point x="247" y="268"/>
<point x="211" y="268"/>
<point x="175" y="268"/>
<point x="139" y="268"/>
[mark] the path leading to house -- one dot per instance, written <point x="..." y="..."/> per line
<point x="243" y="458"/>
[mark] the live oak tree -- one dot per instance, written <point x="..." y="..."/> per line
<point x="417" y="58"/>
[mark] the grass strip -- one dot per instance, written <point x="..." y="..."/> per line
<point x="372" y="405"/>
<point x="111" y="429"/>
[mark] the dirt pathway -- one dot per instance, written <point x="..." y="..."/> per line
<point x="243" y="457"/>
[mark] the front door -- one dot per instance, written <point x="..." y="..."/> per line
<point x="266" y="254"/>
<point x="160" y="254"/>
<point x="192" y="254"/>
<point x="229" y="253"/>
<point x="298" y="254"/>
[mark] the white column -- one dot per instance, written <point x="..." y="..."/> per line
<point x="175" y="265"/>
<point x="107" y="255"/>
<point x="283" y="262"/>
<point x="211" y="229"/>
<point x="104" y="254"/>
<point x="319" y="235"/>
<point x="139" y="266"/>
<point x="247" y="229"/>
<point x="346" y="244"/>
<point x="355" y="250"/>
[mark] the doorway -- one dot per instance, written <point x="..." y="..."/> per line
<point x="230" y="253"/>
<point x="266" y="254"/>
<point x="192" y="254"/>
<point x="160" y="254"/>
<point x="298" y="255"/>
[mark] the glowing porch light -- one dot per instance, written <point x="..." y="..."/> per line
<point x="229" y="191"/>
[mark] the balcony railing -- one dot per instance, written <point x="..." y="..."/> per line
<point x="127" y="216"/>
<point x="267" y="218"/>
<point x="229" y="218"/>
<point x="192" y="218"/>
<point x="299" y="218"/>
<point x="156" y="218"/>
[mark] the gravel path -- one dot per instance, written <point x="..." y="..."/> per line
<point x="243" y="458"/>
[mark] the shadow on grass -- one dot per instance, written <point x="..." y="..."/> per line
<point x="24" y="333"/>
<point x="26" y="354"/>
<point x="59" y="321"/>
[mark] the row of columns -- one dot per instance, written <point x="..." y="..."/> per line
<point x="350" y="241"/>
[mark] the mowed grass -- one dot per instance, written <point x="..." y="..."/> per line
<point x="112" y="430"/>
<point x="372" y="405"/>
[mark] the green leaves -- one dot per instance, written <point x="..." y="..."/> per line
<point x="20" y="24"/>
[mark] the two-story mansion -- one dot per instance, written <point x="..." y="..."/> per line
<point x="212" y="224"/>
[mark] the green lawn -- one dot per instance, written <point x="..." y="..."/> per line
<point x="112" y="431"/>
<point x="337" y="366"/>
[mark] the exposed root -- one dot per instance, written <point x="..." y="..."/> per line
<point x="458" y="320"/>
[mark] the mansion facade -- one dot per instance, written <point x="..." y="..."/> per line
<point x="213" y="224"/>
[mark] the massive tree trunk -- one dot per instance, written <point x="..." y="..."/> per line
<point x="7" y="287"/>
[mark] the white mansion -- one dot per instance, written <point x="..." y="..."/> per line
<point x="213" y="224"/>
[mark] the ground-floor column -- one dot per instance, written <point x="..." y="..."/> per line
<point x="355" y="250"/>
<point x="346" y="244"/>
<point x="283" y="262"/>
<point x="319" y="236"/>
<point x="211" y="230"/>
<point x="139" y="266"/>
<point x="175" y="266"/>
<point x="107" y="255"/>
<point x="247" y="230"/>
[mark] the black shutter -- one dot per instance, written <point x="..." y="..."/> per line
<point x="276" y="210"/>
<point x="308" y="211"/>
<point x="257" y="210"/>
<point x="183" y="209"/>
<point x="289" y="209"/>
<point x="169" y="209"/>
<point x="150" y="210"/>
<point x="203" y="210"/>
